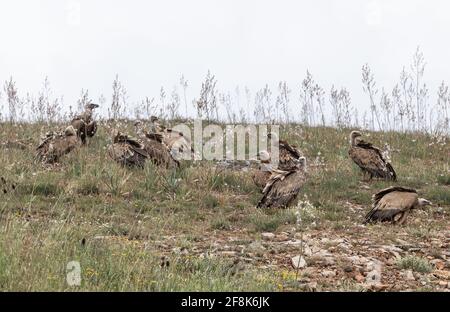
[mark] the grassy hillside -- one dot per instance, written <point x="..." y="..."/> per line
<point x="197" y="228"/>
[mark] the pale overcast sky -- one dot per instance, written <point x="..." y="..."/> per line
<point x="84" y="43"/>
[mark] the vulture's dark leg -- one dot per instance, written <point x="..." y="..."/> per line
<point x="364" y="172"/>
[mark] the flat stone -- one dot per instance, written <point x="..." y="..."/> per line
<point x="328" y="273"/>
<point x="409" y="275"/>
<point x="298" y="262"/>
<point x="443" y="283"/>
<point x="267" y="236"/>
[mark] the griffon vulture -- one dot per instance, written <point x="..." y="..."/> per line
<point x="394" y="204"/>
<point x="127" y="151"/>
<point x="370" y="158"/>
<point x="157" y="151"/>
<point x="174" y="140"/>
<point x="53" y="146"/>
<point x="84" y="123"/>
<point x="283" y="186"/>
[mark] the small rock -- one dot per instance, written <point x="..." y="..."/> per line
<point x="100" y="237"/>
<point x="374" y="265"/>
<point x="228" y="253"/>
<point x="373" y="278"/>
<point x="328" y="273"/>
<point x="298" y="262"/>
<point x="443" y="283"/>
<point x="281" y="238"/>
<point x="354" y="259"/>
<point x="267" y="236"/>
<point x="409" y="275"/>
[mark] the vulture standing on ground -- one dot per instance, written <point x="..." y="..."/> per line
<point x="84" y="123"/>
<point x="370" y="158"/>
<point x="127" y="151"/>
<point x="394" y="204"/>
<point x="53" y="146"/>
<point x="157" y="151"/>
<point x="174" y="140"/>
<point x="283" y="186"/>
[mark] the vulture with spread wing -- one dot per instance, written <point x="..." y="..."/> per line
<point x="55" y="145"/>
<point x="127" y="151"/>
<point x="370" y="158"/>
<point x="288" y="154"/>
<point x="394" y="204"/>
<point x="84" y="123"/>
<point x="283" y="186"/>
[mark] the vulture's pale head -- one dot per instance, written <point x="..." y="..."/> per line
<point x="302" y="162"/>
<point x="264" y="156"/>
<point x="353" y="135"/>
<point x="70" y="131"/>
<point x="154" y="119"/>
<point x="423" y="202"/>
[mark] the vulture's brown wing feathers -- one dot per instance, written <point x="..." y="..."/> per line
<point x="370" y="159"/>
<point x="127" y="155"/>
<point x="155" y="136"/>
<point x="287" y="155"/>
<point x="260" y="178"/>
<point x="390" y="202"/>
<point x="91" y="128"/>
<point x="392" y="172"/>
<point x="292" y="150"/>
<point x="160" y="154"/>
<point x="54" y="146"/>
<point x="282" y="189"/>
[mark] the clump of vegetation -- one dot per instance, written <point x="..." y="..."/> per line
<point x="416" y="264"/>
<point x="444" y="179"/>
<point x="88" y="186"/>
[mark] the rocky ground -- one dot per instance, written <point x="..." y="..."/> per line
<point x="388" y="259"/>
